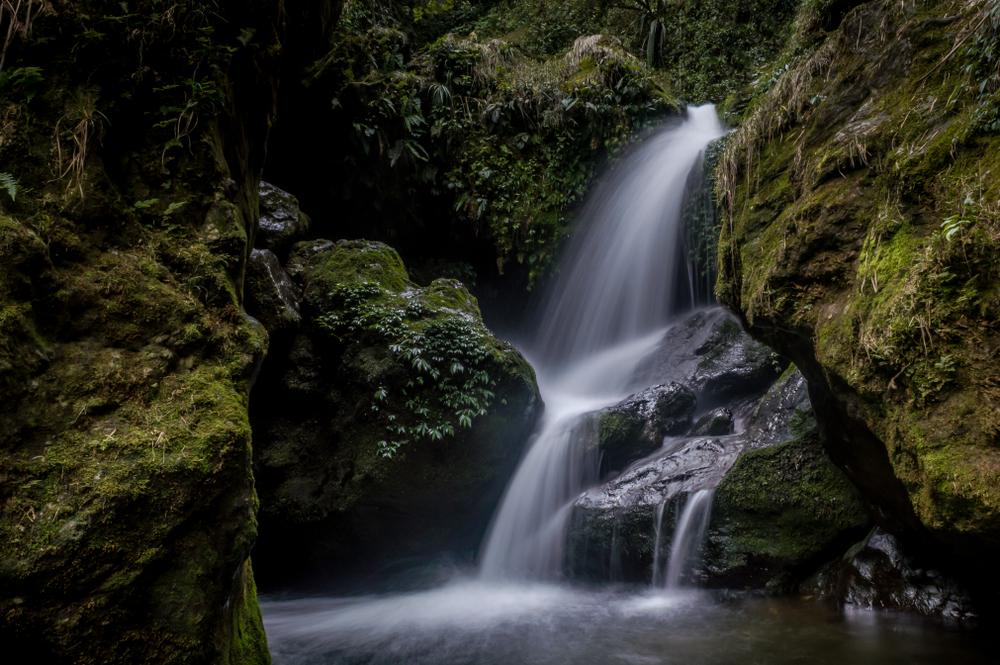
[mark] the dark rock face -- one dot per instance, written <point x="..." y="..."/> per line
<point x="718" y="422"/>
<point x="876" y="574"/>
<point x="282" y="223"/>
<point x="783" y="414"/>
<point x="612" y="533"/>
<point x="387" y="432"/>
<point x="709" y="352"/>
<point x="127" y="503"/>
<point x="636" y="427"/>
<point x="270" y="294"/>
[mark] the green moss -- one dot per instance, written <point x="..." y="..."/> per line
<point x="124" y="354"/>
<point x="869" y="225"/>
<point x="782" y="507"/>
<point x="426" y="366"/>
<point x="249" y="644"/>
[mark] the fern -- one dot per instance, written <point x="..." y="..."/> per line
<point x="8" y="182"/>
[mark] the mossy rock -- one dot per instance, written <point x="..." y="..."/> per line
<point x="861" y="243"/>
<point x="780" y="511"/>
<point x="127" y="504"/>
<point x="392" y="426"/>
<point x="636" y="427"/>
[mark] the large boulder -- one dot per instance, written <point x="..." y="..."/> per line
<point x="860" y="240"/>
<point x="282" y="222"/>
<point x="780" y="506"/>
<point x="709" y="352"/>
<point x="636" y="427"/>
<point x="877" y="574"/>
<point x="388" y="432"/>
<point x="270" y="295"/>
<point x="780" y="512"/>
<point x="614" y="528"/>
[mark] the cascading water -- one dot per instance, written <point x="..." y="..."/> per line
<point x="688" y="537"/>
<point x="604" y="313"/>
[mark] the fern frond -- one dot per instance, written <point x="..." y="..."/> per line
<point x="8" y="182"/>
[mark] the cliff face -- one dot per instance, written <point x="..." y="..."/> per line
<point x="133" y="137"/>
<point x="862" y="220"/>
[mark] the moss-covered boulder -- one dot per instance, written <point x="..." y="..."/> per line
<point x="860" y="240"/>
<point x="391" y="427"/>
<point x="779" y="512"/>
<point x="132" y="142"/>
<point x="636" y="427"/>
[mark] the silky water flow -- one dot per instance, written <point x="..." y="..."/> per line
<point x="604" y="313"/>
<point x="607" y="309"/>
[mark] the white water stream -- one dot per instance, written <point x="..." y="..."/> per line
<point x="604" y="313"/>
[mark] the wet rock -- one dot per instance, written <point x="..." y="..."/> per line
<point x="282" y="223"/>
<point x="779" y="512"/>
<point x="783" y="414"/>
<point x="709" y="352"/>
<point x="876" y="573"/>
<point x="270" y="295"/>
<point x="780" y="507"/>
<point x="612" y="532"/>
<point x="717" y="422"/>
<point x="636" y="427"/>
<point x="388" y="430"/>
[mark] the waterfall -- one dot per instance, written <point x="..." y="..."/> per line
<point x="658" y="531"/>
<point x="688" y="537"/>
<point x="603" y="313"/>
<point x="619" y="275"/>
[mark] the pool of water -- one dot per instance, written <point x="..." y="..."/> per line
<point x="470" y="622"/>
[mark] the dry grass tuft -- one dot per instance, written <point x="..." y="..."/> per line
<point x="779" y="108"/>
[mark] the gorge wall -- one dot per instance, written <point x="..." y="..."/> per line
<point x="859" y="239"/>
<point x="132" y="140"/>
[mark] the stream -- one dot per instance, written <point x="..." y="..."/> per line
<point x="469" y="621"/>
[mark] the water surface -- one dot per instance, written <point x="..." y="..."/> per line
<point x="473" y="622"/>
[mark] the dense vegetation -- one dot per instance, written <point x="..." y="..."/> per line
<point x="482" y="125"/>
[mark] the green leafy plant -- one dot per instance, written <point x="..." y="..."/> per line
<point x="9" y="183"/>
<point x="952" y="225"/>
<point x="447" y="360"/>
